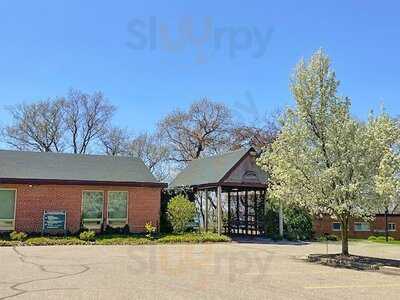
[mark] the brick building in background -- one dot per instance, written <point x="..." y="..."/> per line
<point x="37" y="190"/>
<point x="359" y="229"/>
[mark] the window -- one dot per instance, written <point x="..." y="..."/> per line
<point x="336" y="226"/>
<point x="7" y="209"/>
<point x="392" y="227"/>
<point x="92" y="209"/>
<point x="361" y="227"/>
<point x="117" y="209"/>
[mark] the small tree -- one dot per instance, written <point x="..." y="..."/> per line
<point x="181" y="213"/>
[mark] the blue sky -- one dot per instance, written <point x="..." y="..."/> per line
<point x="117" y="47"/>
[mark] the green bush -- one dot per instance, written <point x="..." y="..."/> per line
<point x="88" y="236"/>
<point x="193" y="238"/>
<point x="53" y="241"/>
<point x="18" y="236"/>
<point x="181" y="213"/>
<point x="372" y="238"/>
<point x="332" y="237"/>
<point x="383" y="238"/>
<point x="122" y="240"/>
<point x="117" y="230"/>
<point x="298" y="224"/>
<point x="4" y="243"/>
<point x="272" y="223"/>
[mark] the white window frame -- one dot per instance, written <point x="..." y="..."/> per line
<point x="394" y="229"/>
<point x="97" y="225"/>
<point x="123" y="221"/>
<point x="12" y="227"/>
<point x="362" y="230"/>
<point x="340" y="225"/>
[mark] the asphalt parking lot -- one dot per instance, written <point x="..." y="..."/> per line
<point x="208" y="271"/>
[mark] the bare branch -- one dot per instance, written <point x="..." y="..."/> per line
<point x="37" y="126"/>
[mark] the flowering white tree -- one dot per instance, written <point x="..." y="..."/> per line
<point x="325" y="160"/>
<point x="387" y="180"/>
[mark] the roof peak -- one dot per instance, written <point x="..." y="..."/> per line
<point x="209" y="170"/>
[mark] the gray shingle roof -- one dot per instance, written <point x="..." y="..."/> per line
<point x="208" y="170"/>
<point x="56" y="166"/>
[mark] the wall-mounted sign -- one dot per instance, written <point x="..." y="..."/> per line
<point x="54" y="221"/>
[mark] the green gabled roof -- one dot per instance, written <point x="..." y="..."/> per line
<point x="40" y="166"/>
<point x="208" y="170"/>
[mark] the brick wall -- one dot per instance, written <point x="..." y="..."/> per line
<point x="32" y="201"/>
<point x="377" y="227"/>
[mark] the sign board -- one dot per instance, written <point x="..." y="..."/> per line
<point x="54" y="221"/>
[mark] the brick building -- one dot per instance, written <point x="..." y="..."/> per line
<point x="359" y="229"/>
<point x="37" y="190"/>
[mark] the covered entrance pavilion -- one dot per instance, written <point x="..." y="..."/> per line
<point x="229" y="192"/>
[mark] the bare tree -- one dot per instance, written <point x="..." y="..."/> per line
<point x="150" y="148"/>
<point x="259" y="134"/>
<point x="86" y="117"/>
<point x="37" y="126"/>
<point x="115" y="141"/>
<point x="202" y="130"/>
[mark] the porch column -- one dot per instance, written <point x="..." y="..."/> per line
<point x="219" y="209"/>
<point x="229" y="212"/>
<point x="206" y="212"/>
<point x="246" y="211"/>
<point x="256" y="211"/>
<point x="280" y="219"/>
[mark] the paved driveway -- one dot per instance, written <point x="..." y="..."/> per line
<point x="212" y="271"/>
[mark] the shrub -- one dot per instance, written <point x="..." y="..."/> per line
<point x="150" y="229"/>
<point x="4" y="243"/>
<point x="383" y="238"/>
<point x="298" y="223"/>
<point x="116" y="230"/>
<point x="18" y="236"/>
<point x="52" y="241"/>
<point x="193" y="238"/>
<point x="332" y="237"/>
<point x="272" y="223"/>
<point x="122" y="240"/>
<point x="372" y="238"/>
<point x="88" y="236"/>
<point x="181" y="213"/>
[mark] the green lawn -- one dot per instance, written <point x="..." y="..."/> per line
<point x="380" y="240"/>
<point x="119" y="239"/>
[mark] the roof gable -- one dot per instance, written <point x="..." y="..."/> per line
<point x="246" y="172"/>
<point x="210" y="170"/>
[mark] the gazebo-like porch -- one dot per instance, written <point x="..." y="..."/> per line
<point x="230" y="192"/>
<point x="242" y="209"/>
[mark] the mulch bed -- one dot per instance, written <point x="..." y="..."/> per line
<point x="353" y="261"/>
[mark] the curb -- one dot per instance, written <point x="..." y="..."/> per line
<point x="344" y="264"/>
<point x="389" y="270"/>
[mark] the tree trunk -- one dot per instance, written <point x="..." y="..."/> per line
<point x="345" y="236"/>
<point x="386" y="226"/>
